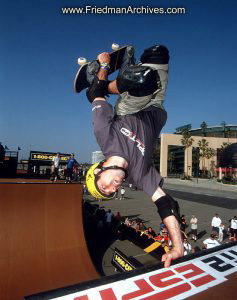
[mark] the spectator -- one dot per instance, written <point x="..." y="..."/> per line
<point x="122" y="192"/>
<point x="210" y="242"/>
<point x="108" y="218"/>
<point x="130" y="186"/>
<point x="216" y="222"/>
<point x="184" y="235"/>
<point x="187" y="247"/>
<point x="55" y="167"/>
<point x="162" y="225"/>
<point x="221" y="232"/>
<point x="143" y="227"/>
<point x="84" y="189"/>
<point x="116" y="195"/>
<point x="233" y="228"/>
<point x="70" y="165"/>
<point x="127" y="222"/>
<point x="118" y="216"/>
<point x="151" y="232"/>
<point x="194" y="222"/>
<point x="183" y="223"/>
<point x="138" y="227"/>
<point x="166" y="238"/>
<point x="134" y="224"/>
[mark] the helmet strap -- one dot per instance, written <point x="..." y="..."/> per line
<point x="102" y="169"/>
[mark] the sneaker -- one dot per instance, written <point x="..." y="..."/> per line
<point x="92" y="70"/>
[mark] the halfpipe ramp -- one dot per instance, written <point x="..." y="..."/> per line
<point x="41" y="238"/>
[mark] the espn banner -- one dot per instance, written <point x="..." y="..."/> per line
<point x="176" y="282"/>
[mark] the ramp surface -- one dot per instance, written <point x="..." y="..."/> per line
<point x="41" y="239"/>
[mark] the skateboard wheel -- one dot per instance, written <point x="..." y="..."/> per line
<point x="115" y="47"/>
<point x="81" y="61"/>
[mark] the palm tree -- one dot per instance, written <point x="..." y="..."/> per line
<point x="203" y="126"/>
<point x="203" y="145"/>
<point x="212" y="167"/>
<point x="187" y="142"/>
<point x="224" y="145"/>
<point x="223" y="124"/>
<point x="228" y="133"/>
<point x="210" y="152"/>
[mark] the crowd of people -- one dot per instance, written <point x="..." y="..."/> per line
<point x="106" y="227"/>
<point x="143" y="236"/>
<point x="218" y="231"/>
<point x="217" y="235"/>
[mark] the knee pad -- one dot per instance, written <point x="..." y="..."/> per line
<point x="157" y="54"/>
<point x="167" y="206"/>
<point x="99" y="88"/>
<point x="138" y="81"/>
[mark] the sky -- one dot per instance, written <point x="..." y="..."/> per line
<point x="39" y="47"/>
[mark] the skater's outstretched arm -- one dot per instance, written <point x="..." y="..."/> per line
<point x="168" y="210"/>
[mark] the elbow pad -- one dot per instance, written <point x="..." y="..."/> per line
<point x="167" y="206"/>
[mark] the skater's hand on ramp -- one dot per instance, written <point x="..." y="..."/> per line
<point x="171" y="255"/>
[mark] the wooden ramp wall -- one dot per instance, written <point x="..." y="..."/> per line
<point x="41" y="239"/>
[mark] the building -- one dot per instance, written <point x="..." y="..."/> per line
<point x="97" y="156"/>
<point x="185" y="161"/>
<point x="8" y="163"/>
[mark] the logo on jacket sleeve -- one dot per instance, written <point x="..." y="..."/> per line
<point x="133" y="137"/>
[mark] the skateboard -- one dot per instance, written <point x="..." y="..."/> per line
<point x="116" y="60"/>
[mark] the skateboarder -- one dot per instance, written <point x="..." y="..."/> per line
<point x="128" y="136"/>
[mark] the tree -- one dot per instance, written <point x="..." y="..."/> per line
<point x="210" y="152"/>
<point x="228" y="134"/>
<point x="203" y="146"/>
<point x="203" y="126"/>
<point x="212" y="168"/>
<point x="224" y="145"/>
<point x="187" y="142"/>
<point x="223" y="124"/>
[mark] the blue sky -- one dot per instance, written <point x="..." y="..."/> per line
<point x="39" y="47"/>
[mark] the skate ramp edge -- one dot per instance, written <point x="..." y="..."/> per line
<point x="207" y="274"/>
<point x="41" y="239"/>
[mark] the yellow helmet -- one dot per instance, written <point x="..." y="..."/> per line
<point x="91" y="180"/>
<point x="91" y="184"/>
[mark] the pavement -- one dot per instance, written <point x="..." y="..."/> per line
<point x="204" y="183"/>
<point x="202" y="198"/>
